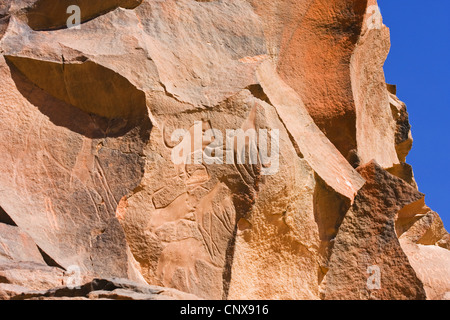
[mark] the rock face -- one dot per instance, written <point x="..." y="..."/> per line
<point x="367" y="238"/>
<point x="106" y="289"/>
<point x="318" y="204"/>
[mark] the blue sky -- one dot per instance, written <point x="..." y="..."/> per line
<point x="419" y="64"/>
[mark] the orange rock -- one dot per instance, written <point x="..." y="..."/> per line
<point x="87" y="174"/>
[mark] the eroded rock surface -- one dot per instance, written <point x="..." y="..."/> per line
<point x="88" y="178"/>
<point x="103" y="289"/>
<point x="367" y="240"/>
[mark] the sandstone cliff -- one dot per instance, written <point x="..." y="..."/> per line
<point x="89" y="189"/>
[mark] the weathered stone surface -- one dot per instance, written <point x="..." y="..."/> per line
<point x="367" y="238"/>
<point x="313" y="144"/>
<point x="432" y="266"/>
<point x="15" y="245"/>
<point x="425" y="229"/>
<point x="105" y="289"/>
<point x="7" y="291"/>
<point x="31" y="275"/>
<point x="87" y="173"/>
<point x="48" y="15"/>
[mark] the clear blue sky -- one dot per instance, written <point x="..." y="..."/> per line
<point x="419" y="64"/>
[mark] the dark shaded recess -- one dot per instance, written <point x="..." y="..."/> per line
<point x="94" y="285"/>
<point x="86" y="98"/>
<point x="353" y="158"/>
<point x="350" y="22"/>
<point x="392" y="88"/>
<point x="330" y="209"/>
<point x="403" y="126"/>
<point x="258" y="92"/>
<point x="341" y="131"/>
<point x="52" y="14"/>
<point x="48" y="260"/>
<point x="5" y="218"/>
<point x="403" y="171"/>
<point x="229" y="257"/>
<point x="244" y="197"/>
